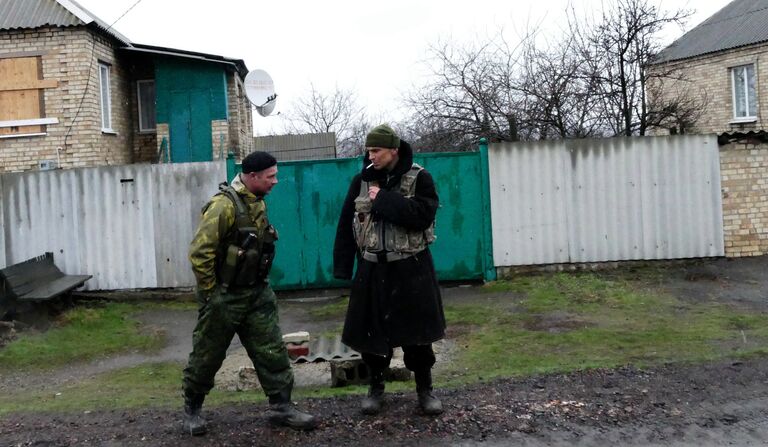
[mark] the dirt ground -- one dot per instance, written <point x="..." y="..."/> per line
<point x="723" y="403"/>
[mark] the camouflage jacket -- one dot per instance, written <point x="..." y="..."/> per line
<point x="217" y="230"/>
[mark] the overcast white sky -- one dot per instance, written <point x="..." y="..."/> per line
<point x="374" y="48"/>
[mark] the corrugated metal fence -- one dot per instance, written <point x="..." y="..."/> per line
<point x="551" y="202"/>
<point x="605" y="200"/>
<point x="128" y="226"/>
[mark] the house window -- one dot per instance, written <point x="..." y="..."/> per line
<point x="744" y="92"/>
<point x="22" y="107"/>
<point x="106" y="102"/>
<point x="145" y="91"/>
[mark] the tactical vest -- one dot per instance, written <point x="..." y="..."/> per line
<point x="383" y="236"/>
<point x="246" y="255"/>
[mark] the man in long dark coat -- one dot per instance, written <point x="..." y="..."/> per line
<point x="387" y="223"/>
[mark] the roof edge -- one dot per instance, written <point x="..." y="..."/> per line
<point x="709" y="53"/>
<point x="78" y="11"/>
<point x="238" y="64"/>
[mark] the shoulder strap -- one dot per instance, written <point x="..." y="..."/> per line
<point x="242" y="219"/>
<point x="408" y="180"/>
<point x="363" y="188"/>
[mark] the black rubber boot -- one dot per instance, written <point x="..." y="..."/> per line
<point x="429" y="404"/>
<point x="283" y="413"/>
<point x="371" y="403"/>
<point x="193" y="423"/>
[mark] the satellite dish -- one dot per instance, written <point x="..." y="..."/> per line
<point x="260" y="90"/>
<point x="267" y="109"/>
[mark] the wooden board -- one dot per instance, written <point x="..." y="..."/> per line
<point x="16" y="103"/>
<point x="20" y="105"/>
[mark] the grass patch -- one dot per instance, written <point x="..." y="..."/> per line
<point x="156" y="385"/>
<point x="82" y="333"/>
<point x="588" y="321"/>
<point x="552" y="323"/>
<point x="335" y="309"/>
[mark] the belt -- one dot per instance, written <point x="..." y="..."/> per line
<point x="389" y="256"/>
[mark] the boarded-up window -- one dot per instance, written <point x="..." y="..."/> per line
<point x="21" y="96"/>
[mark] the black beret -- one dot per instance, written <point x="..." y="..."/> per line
<point x="258" y="161"/>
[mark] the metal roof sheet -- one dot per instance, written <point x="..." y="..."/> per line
<point x="34" y="13"/>
<point x="20" y="14"/>
<point x="740" y="23"/>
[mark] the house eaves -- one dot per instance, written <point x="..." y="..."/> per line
<point x="30" y="14"/>
<point x="740" y="23"/>
<point x="237" y="64"/>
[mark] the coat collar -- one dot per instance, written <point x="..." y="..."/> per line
<point x="239" y="187"/>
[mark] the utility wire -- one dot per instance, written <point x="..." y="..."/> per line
<point x="88" y="79"/>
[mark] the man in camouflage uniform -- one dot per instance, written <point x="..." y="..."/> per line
<point x="231" y="254"/>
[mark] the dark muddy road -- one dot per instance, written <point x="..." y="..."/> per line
<point x="718" y="404"/>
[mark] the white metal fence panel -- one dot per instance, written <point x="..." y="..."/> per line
<point x="528" y="204"/>
<point x="180" y="194"/>
<point x="128" y="226"/>
<point x="606" y="200"/>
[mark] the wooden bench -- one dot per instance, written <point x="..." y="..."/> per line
<point x="34" y="280"/>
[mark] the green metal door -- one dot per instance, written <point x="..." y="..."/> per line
<point x="190" y="126"/>
<point x="305" y="207"/>
<point x="179" y="128"/>
<point x="458" y="250"/>
<point x="201" y="132"/>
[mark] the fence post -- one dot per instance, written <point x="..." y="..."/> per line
<point x="231" y="166"/>
<point x="489" y="269"/>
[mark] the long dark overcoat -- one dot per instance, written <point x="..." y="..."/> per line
<point x="396" y="303"/>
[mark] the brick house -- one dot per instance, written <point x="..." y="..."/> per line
<point x="74" y="92"/>
<point x="721" y="63"/>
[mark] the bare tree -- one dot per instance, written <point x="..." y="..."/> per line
<point x="592" y="81"/>
<point x="472" y="94"/>
<point x="337" y="111"/>
<point x="617" y="50"/>
<point x="561" y="93"/>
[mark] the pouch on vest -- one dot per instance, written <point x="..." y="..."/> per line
<point x="228" y="269"/>
<point x="248" y="274"/>
<point x="247" y="271"/>
<point x="267" y="255"/>
<point x="362" y="218"/>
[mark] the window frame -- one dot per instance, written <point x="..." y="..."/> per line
<point x="747" y="100"/>
<point x="106" y="120"/>
<point x="142" y="128"/>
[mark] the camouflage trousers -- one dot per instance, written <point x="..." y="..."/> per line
<point x="252" y="315"/>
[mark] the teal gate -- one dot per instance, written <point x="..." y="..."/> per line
<point x="305" y="207"/>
